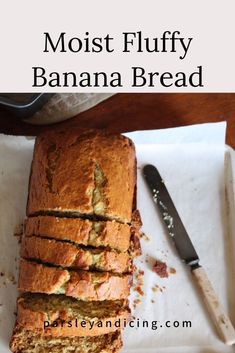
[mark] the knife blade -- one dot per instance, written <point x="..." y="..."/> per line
<point x="170" y="216"/>
<point x="187" y="252"/>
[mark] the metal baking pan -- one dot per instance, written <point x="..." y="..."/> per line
<point x="23" y="105"/>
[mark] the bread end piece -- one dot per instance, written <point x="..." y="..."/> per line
<point x="31" y="341"/>
<point x="102" y="171"/>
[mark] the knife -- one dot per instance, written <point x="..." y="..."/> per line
<point x="187" y="252"/>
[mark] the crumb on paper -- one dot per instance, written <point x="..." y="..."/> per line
<point x="11" y="279"/>
<point x="139" y="290"/>
<point x="18" y="230"/>
<point x="8" y="278"/>
<point x="137" y="302"/>
<point x="139" y="282"/>
<point x="152" y="301"/>
<point x="144" y="236"/>
<point x="139" y="276"/>
<point x="156" y="288"/>
<point x="160" y="268"/>
<point x="172" y="271"/>
<point x="137" y="286"/>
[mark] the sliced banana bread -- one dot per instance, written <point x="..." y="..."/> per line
<point x="88" y="174"/>
<point x="110" y="234"/>
<point x="83" y="285"/>
<point x="58" y="315"/>
<point x="31" y="341"/>
<point x="68" y="255"/>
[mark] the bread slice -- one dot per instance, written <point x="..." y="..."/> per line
<point x="32" y="341"/>
<point x="83" y="285"/>
<point x="68" y="255"/>
<point x="58" y="315"/>
<point x="110" y="234"/>
<point x="88" y="174"/>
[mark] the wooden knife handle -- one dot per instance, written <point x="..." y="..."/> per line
<point x="216" y="311"/>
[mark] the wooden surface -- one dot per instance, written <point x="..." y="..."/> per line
<point x="127" y="112"/>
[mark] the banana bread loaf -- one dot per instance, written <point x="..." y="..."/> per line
<point x="79" y="241"/>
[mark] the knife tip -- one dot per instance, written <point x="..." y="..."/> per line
<point x="149" y="168"/>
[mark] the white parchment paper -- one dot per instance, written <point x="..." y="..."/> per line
<point x="193" y="171"/>
<point x="191" y="161"/>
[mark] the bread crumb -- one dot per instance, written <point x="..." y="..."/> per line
<point x="137" y="301"/>
<point x="152" y="301"/>
<point x="11" y="278"/>
<point x="144" y="236"/>
<point x="160" y="268"/>
<point x="154" y="289"/>
<point x="172" y="270"/>
<point x="137" y="287"/>
<point x="139" y="290"/>
<point x="18" y="230"/>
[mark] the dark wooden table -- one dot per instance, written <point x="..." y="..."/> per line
<point x="127" y="112"/>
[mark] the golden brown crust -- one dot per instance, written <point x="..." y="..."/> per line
<point x="109" y="234"/>
<point x="67" y="317"/>
<point x="84" y="285"/>
<point x="25" y="341"/>
<point x="65" y="254"/>
<point x="101" y="178"/>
